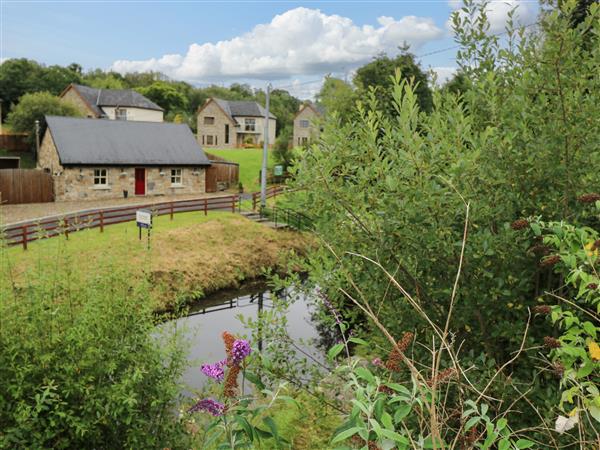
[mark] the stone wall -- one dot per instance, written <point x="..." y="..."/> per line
<point x="77" y="183"/>
<point x="310" y="133"/>
<point x="75" y="99"/>
<point x="217" y="129"/>
<point x="48" y="156"/>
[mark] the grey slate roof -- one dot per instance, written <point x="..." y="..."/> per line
<point x="242" y="108"/>
<point x="97" y="98"/>
<point x="119" y="142"/>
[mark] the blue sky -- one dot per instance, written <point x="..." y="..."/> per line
<point x="221" y="42"/>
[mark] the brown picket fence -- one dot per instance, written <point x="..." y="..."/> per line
<point x="25" y="232"/>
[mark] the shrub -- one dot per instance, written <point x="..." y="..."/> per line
<point x="34" y="107"/>
<point x="84" y="366"/>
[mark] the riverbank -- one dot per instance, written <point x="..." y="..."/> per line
<point x="189" y="257"/>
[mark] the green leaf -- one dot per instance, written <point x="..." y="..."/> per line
<point x="594" y="412"/>
<point x="504" y="444"/>
<point x="523" y="443"/>
<point x="365" y="374"/>
<point x="472" y="422"/>
<point x="358" y="341"/>
<point x="345" y="434"/>
<point x="255" y="379"/>
<point x="501" y="424"/>
<point x="335" y="350"/>
<point x="396" y="437"/>
<point x="536" y="229"/>
<point x="269" y="422"/>
<point x="401" y="412"/>
<point x="245" y="425"/>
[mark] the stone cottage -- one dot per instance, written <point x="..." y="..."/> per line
<point x="114" y="104"/>
<point x="97" y="159"/>
<point x="232" y="124"/>
<point x="307" y="124"/>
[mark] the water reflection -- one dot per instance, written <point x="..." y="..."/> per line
<point x="211" y="316"/>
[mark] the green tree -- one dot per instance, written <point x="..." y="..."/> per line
<point x="17" y="77"/>
<point x="337" y="96"/>
<point x="165" y="95"/>
<point x="379" y="74"/>
<point x="55" y="79"/>
<point x="34" y="107"/>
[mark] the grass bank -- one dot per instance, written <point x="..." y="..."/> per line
<point x="250" y="161"/>
<point x="190" y="256"/>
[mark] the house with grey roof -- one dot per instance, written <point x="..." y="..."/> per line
<point x="307" y="124"/>
<point x="115" y="104"/>
<point x="233" y="124"/>
<point x="94" y="159"/>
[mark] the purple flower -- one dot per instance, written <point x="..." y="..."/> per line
<point x="209" y="405"/>
<point x="214" y="371"/>
<point x="241" y="349"/>
<point x="377" y="362"/>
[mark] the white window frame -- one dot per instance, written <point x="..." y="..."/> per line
<point x="100" y="174"/>
<point x="304" y="123"/>
<point x="176" y="174"/>
<point x="249" y="124"/>
<point x="120" y="114"/>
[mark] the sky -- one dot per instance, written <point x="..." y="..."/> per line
<point x="290" y="44"/>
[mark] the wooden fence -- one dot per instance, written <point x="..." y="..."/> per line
<point x="25" y="186"/>
<point x="222" y="174"/>
<point x="24" y="232"/>
<point x="272" y="191"/>
<point x="15" y="142"/>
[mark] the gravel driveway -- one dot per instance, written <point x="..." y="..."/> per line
<point x="17" y="213"/>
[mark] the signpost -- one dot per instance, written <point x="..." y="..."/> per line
<point x="143" y="217"/>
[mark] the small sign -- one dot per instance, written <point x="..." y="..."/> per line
<point x="143" y="217"/>
<point x="278" y="170"/>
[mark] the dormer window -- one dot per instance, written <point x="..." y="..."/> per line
<point x="120" y="114"/>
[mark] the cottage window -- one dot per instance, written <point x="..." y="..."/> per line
<point x="100" y="177"/>
<point x="120" y="114"/>
<point x="250" y="124"/>
<point x="227" y="133"/>
<point x="304" y="140"/>
<point x="209" y="120"/>
<point x="176" y="177"/>
<point x="209" y="139"/>
<point x="304" y="124"/>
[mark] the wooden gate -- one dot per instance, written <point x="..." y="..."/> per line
<point x="221" y="175"/>
<point x="25" y="186"/>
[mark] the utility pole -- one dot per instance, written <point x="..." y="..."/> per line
<point x="37" y="139"/>
<point x="263" y="172"/>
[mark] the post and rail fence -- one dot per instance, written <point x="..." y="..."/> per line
<point x="25" y="232"/>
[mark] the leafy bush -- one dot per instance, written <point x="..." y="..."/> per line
<point x="83" y="365"/>
<point x="283" y="153"/>
<point x="34" y="107"/>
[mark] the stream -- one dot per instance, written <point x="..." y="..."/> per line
<point x="212" y="315"/>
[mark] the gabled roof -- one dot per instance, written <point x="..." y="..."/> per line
<point x="96" y="98"/>
<point x="318" y="109"/>
<point x="234" y="108"/>
<point x="120" y="142"/>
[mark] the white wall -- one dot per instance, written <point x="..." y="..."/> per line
<point x="260" y="127"/>
<point x="136" y="114"/>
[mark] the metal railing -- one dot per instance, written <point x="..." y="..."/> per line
<point x="287" y="216"/>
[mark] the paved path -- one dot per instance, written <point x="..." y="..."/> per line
<point x="10" y="214"/>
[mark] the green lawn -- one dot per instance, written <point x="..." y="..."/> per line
<point x="250" y="160"/>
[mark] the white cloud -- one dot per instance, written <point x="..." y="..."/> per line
<point x="301" y="41"/>
<point x="443" y="74"/>
<point x="497" y="12"/>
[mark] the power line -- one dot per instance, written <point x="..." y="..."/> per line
<point x="433" y="52"/>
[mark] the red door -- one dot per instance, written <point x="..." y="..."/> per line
<point x="140" y="181"/>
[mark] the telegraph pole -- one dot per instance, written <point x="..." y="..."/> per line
<point x="263" y="172"/>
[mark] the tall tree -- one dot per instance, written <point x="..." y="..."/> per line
<point x="166" y="96"/>
<point x="34" y="107"/>
<point x="17" y="77"/>
<point x="337" y="96"/>
<point x="379" y="75"/>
